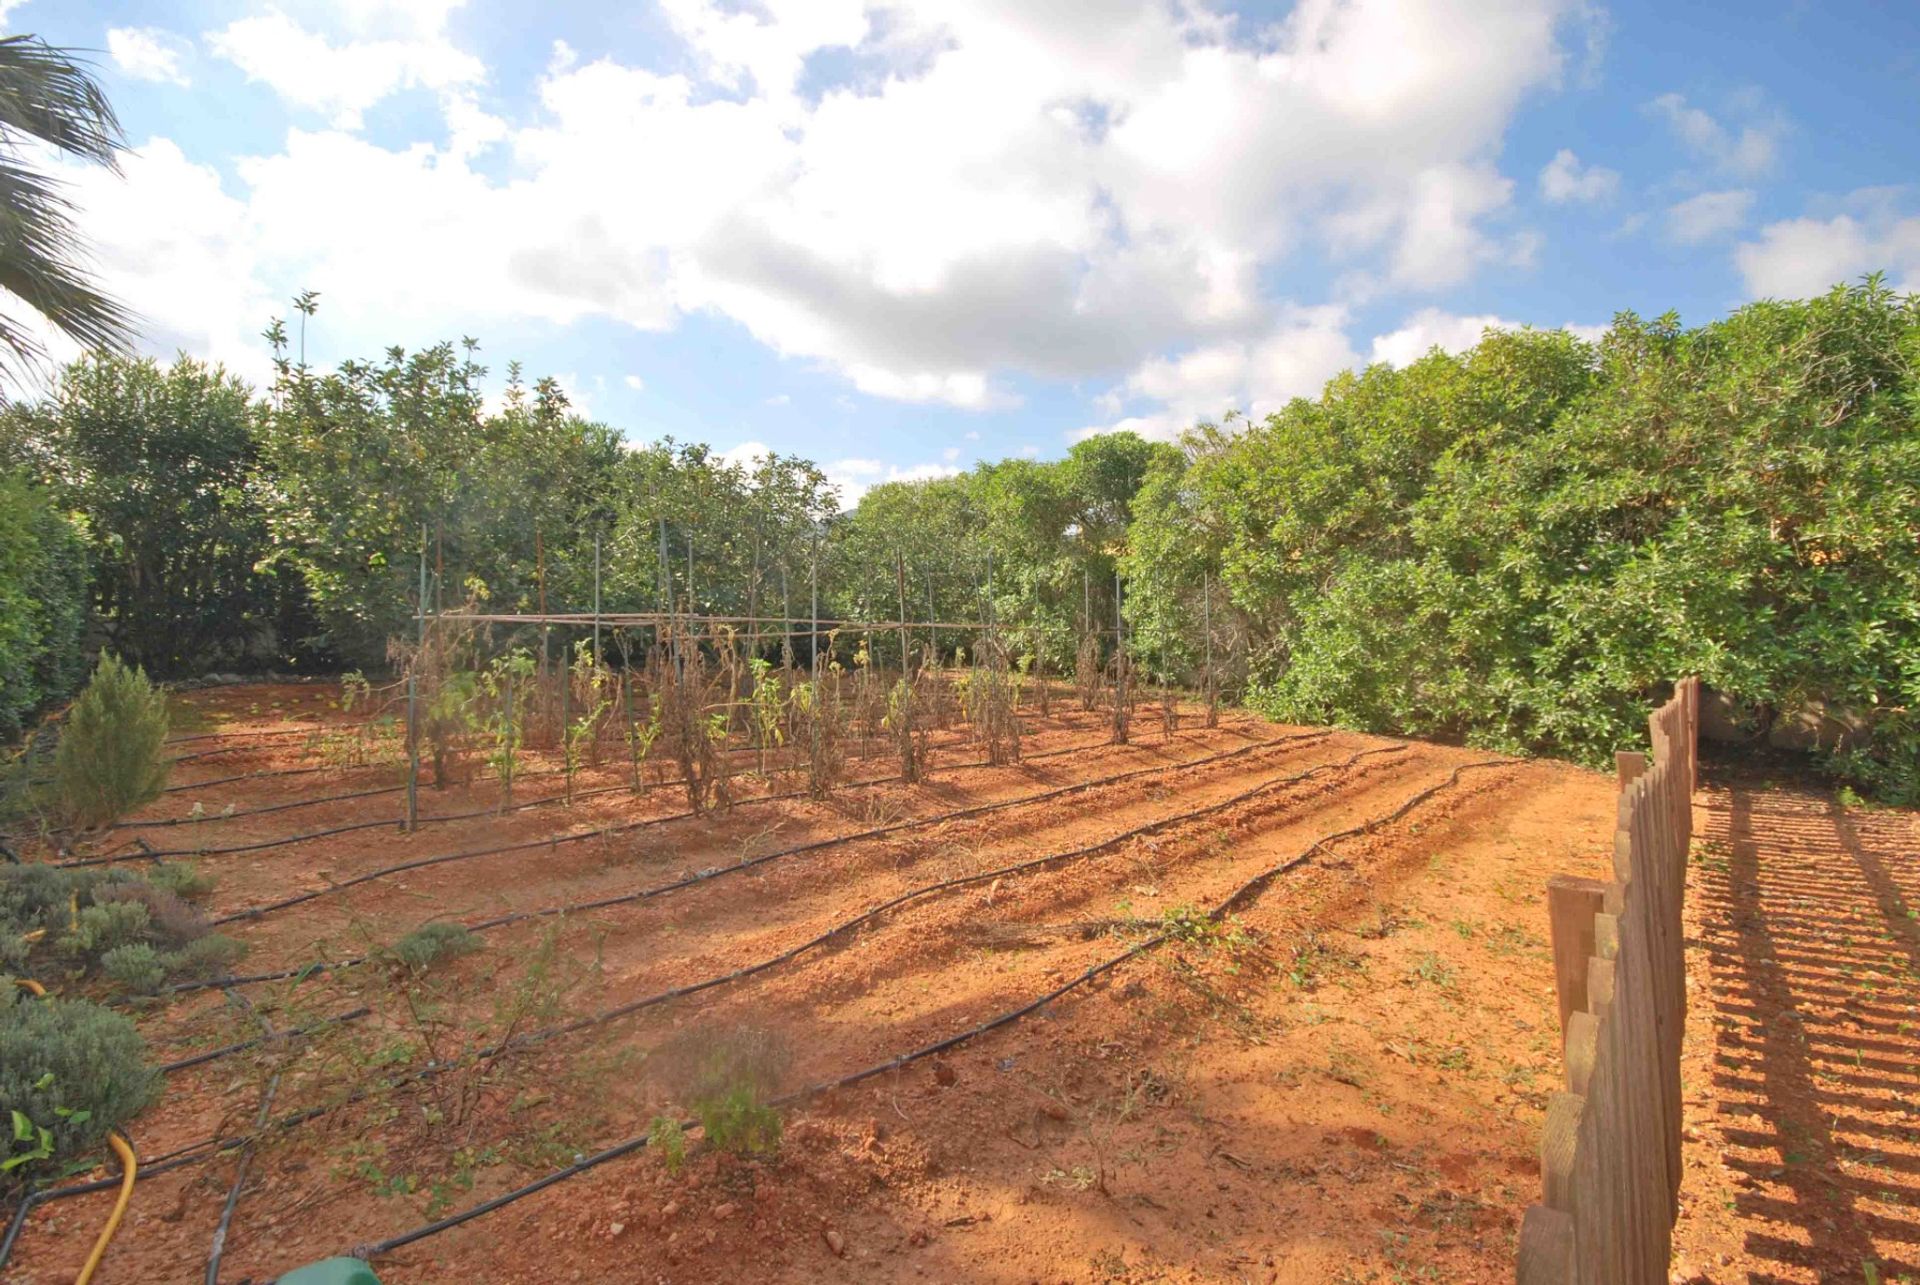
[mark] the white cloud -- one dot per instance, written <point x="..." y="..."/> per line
<point x="1303" y="349"/>
<point x="1799" y="258"/>
<point x="340" y="81"/>
<point x="1591" y="334"/>
<point x="1432" y="328"/>
<point x="1748" y="150"/>
<point x="951" y="454"/>
<point x="779" y="399"/>
<point x="148" y="53"/>
<point x="636" y="383"/>
<point x="1708" y="215"/>
<point x="6" y="9"/>
<point x="747" y="455"/>
<point x="1060" y="193"/>
<point x="1565" y="180"/>
<point x="180" y="252"/>
<point x="855" y="477"/>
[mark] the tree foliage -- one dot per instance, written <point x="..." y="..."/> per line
<point x="1522" y="545"/>
<point x="48" y="98"/>
<point x="43" y="586"/>
<point x="1516" y="546"/>
<point x="162" y="462"/>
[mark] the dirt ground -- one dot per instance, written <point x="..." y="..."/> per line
<point x="1343" y="1082"/>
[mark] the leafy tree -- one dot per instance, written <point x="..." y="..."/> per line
<point x="161" y="460"/>
<point x="48" y="97"/>
<point x="43" y="579"/>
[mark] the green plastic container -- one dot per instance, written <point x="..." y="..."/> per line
<point x="334" y="1271"/>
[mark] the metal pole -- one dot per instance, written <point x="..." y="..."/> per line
<point x="813" y="654"/>
<point x="1206" y="624"/>
<point x="596" y="599"/>
<point x="900" y="585"/>
<point x="413" y="697"/>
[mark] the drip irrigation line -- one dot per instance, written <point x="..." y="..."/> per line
<point x="265" y="845"/>
<point x="319" y="800"/>
<point x="530" y="1039"/>
<point x="255" y="735"/>
<point x="602" y="903"/>
<point x="228" y="1050"/>
<point x="285" y="903"/>
<point x="219" y="1246"/>
<point x="200" y="1151"/>
<point x="902" y="1060"/>
<point x="263" y="775"/>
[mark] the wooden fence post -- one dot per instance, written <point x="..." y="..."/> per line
<point x="1572" y="903"/>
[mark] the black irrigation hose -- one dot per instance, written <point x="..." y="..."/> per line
<point x="219" y="1247"/>
<point x="532" y="1038"/>
<point x="186" y="1155"/>
<point x="899" y="1061"/>
<point x="252" y="734"/>
<point x="228" y="1050"/>
<point x="257" y="912"/>
<point x="198" y="1152"/>
<point x="601" y="903"/>
<point x="288" y="841"/>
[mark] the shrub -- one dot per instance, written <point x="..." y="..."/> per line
<point x="206" y="956"/>
<point x="170" y="921"/>
<point x="98" y="929"/>
<point x="669" y="1141"/>
<point x="431" y="943"/>
<point x="70" y="1071"/>
<point x="38" y="896"/>
<point x="727" y="1077"/>
<point x="136" y="966"/>
<point x="43" y="603"/>
<point x="181" y="878"/>
<point x="737" y="1121"/>
<point x="111" y="757"/>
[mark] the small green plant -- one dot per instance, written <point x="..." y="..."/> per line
<point x="98" y="929"/>
<point x="1188" y="924"/>
<point x="669" y="1140"/>
<point x="112" y="755"/>
<point x="1430" y="968"/>
<point x="181" y="878"/>
<point x="737" y="1121"/>
<point x="764" y="707"/>
<point x="727" y="1077"/>
<point x="70" y="1071"/>
<point x="207" y="956"/>
<point x="434" y="942"/>
<point x="135" y="966"/>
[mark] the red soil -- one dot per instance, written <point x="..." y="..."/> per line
<point x="1346" y="1086"/>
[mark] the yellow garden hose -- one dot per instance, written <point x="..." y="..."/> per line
<point x="129" y="1167"/>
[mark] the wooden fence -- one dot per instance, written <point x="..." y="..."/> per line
<point x="1610" y="1155"/>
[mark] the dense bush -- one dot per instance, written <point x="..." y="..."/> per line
<point x="42" y="603"/>
<point x="112" y="755"/>
<point x="70" y="1071"/>
<point x="161" y="460"/>
<point x="1522" y="545"/>
<point x="113" y="922"/>
<point x="430" y="943"/>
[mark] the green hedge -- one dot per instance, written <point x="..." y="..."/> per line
<point x="43" y="603"/>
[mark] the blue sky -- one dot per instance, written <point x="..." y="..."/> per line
<point x="902" y="237"/>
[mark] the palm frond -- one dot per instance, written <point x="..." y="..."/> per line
<point x="46" y="93"/>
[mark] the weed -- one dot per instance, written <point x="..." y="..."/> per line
<point x="1430" y="968"/>
<point x="431" y="943"/>
<point x="669" y="1141"/>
